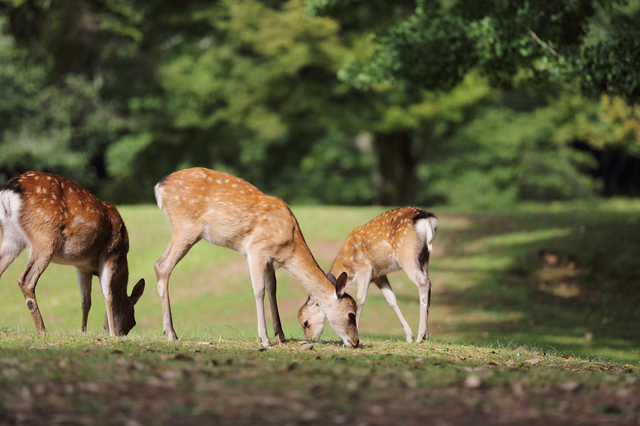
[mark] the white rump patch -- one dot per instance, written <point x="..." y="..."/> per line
<point x="157" y="190"/>
<point x="13" y="238"/>
<point x="426" y="229"/>
<point x="10" y="205"/>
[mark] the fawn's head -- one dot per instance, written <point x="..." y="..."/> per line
<point x="340" y="310"/>
<point x="311" y="319"/>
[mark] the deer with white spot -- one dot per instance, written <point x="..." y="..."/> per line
<point x="397" y="239"/>
<point x="61" y="222"/>
<point x="230" y="212"/>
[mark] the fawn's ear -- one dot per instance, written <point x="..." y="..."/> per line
<point x="137" y="291"/>
<point x="341" y="284"/>
<point x="332" y="278"/>
<point x="311" y="301"/>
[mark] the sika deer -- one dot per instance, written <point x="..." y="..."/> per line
<point x="398" y="239"/>
<point x="229" y="212"/>
<point x="63" y="223"/>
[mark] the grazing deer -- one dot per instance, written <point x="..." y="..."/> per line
<point x="63" y="223"/>
<point x="230" y="212"/>
<point x="397" y="239"/>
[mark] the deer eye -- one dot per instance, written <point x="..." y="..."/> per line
<point x="352" y="317"/>
<point x="306" y="324"/>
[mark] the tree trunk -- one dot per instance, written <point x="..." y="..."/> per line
<point x="397" y="165"/>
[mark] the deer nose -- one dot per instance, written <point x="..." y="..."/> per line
<point x="354" y="342"/>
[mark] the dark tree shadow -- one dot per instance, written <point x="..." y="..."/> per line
<point x="571" y="283"/>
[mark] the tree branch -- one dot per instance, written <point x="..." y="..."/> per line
<point x="542" y="43"/>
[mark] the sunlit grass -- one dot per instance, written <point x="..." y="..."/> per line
<point x="489" y="281"/>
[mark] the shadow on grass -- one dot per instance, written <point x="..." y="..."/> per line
<point x="564" y="281"/>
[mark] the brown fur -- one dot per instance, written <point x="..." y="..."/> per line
<point x="230" y="212"/>
<point x="397" y="239"/>
<point x="64" y="223"/>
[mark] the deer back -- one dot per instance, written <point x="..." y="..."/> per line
<point x="386" y="242"/>
<point x="225" y="211"/>
<point x="77" y="225"/>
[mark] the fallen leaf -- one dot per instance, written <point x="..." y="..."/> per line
<point x="10" y="372"/>
<point x="172" y="374"/>
<point x="567" y="357"/>
<point x="92" y="387"/>
<point x="472" y="382"/>
<point x="571" y="386"/>
<point x="518" y="390"/>
<point x="533" y="361"/>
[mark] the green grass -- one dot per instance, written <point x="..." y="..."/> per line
<point x="556" y="283"/>
<point x="490" y="281"/>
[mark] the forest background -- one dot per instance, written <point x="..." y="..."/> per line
<point x="327" y="101"/>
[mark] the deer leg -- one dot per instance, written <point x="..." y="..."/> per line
<point x="270" y="283"/>
<point x="105" y="277"/>
<point x="176" y="250"/>
<point x="361" y="297"/>
<point x="257" y="268"/>
<point x="28" y="281"/>
<point x="425" y="303"/>
<point x="84" y="282"/>
<point x="385" y="287"/>
<point x="424" y="289"/>
<point x="420" y="277"/>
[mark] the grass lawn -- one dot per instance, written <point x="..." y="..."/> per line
<point x="534" y="318"/>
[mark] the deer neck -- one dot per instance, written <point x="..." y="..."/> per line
<point x="120" y="280"/>
<point x="337" y="267"/>
<point x="303" y="266"/>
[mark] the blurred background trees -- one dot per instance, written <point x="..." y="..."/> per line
<point x="327" y="101"/>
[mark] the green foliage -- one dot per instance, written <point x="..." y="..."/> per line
<point x="336" y="170"/>
<point x="253" y="93"/>
<point x="503" y="157"/>
<point x="60" y="128"/>
<point x="116" y="94"/>
<point x="436" y="45"/>
<point x="608" y="61"/>
<point x="421" y="51"/>
<point x="608" y="124"/>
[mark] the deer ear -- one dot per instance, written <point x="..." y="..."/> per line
<point x="332" y="278"/>
<point x="310" y="301"/>
<point x="341" y="284"/>
<point x="137" y="291"/>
